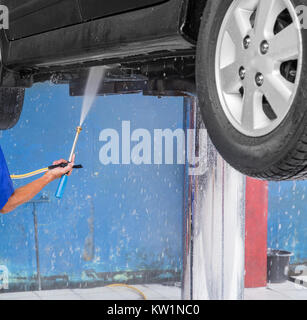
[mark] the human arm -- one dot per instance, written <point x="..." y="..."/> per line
<point x="29" y="191"/>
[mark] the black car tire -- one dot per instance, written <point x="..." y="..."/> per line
<point x="11" y="103"/>
<point x="279" y="155"/>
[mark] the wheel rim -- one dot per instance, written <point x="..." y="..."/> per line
<point x="258" y="64"/>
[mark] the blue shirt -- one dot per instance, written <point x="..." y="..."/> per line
<point x="6" y="184"/>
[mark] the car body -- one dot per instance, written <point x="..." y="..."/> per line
<point x="137" y="38"/>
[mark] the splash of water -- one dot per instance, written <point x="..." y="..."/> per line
<point x="96" y="76"/>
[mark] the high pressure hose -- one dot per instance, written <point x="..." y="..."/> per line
<point x="28" y="175"/>
<point x="129" y="287"/>
<point x="43" y="170"/>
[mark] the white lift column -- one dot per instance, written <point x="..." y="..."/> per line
<point x="214" y="220"/>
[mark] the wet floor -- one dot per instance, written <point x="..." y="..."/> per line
<point x="152" y="292"/>
<point x="280" y="291"/>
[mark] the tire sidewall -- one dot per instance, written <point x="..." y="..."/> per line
<point x="11" y="104"/>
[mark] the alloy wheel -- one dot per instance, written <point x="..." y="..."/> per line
<point x="258" y="64"/>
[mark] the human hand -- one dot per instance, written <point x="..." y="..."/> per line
<point x="57" y="173"/>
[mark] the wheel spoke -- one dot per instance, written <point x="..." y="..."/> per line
<point x="285" y="44"/>
<point x="249" y="103"/>
<point x="230" y="78"/>
<point x="278" y="92"/>
<point x="235" y="101"/>
<point x="267" y="13"/>
<point x="238" y="26"/>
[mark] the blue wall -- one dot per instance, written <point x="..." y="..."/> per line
<point x="287" y="220"/>
<point x="116" y="222"/>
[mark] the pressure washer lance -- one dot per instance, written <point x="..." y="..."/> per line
<point x="62" y="184"/>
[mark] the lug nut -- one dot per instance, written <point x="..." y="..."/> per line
<point x="242" y="73"/>
<point x="264" y="47"/>
<point x="259" y="79"/>
<point x="246" y="42"/>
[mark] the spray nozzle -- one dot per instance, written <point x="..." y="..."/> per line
<point x="79" y="129"/>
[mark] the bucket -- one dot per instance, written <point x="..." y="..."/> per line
<point x="278" y="265"/>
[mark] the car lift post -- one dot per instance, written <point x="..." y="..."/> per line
<point x="214" y="220"/>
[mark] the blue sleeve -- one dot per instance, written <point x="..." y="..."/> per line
<point x="6" y="184"/>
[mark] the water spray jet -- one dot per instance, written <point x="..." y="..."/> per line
<point x="96" y="76"/>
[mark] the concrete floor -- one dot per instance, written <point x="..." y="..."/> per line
<point x="281" y="291"/>
<point x="152" y="292"/>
